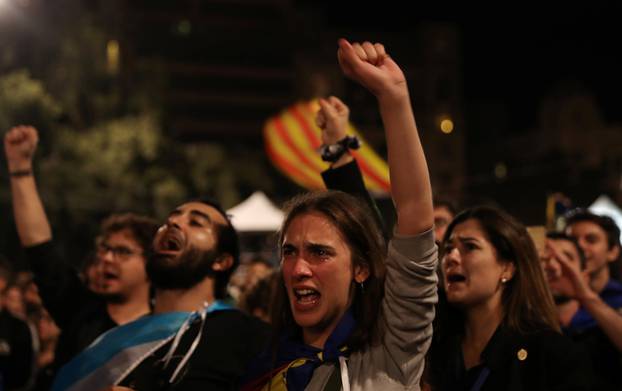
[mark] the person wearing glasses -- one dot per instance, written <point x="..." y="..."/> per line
<point x="120" y="257"/>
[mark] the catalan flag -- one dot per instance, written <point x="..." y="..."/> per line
<point x="292" y="140"/>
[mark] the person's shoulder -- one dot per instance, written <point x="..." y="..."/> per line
<point x="236" y="335"/>
<point x="563" y="360"/>
<point x="547" y="336"/>
<point x="12" y="327"/>
<point x="8" y="320"/>
<point x="612" y="294"/>
<point x="237" y="321"/>
<point x="613" y="287"/>
<point x="554" y="346"/>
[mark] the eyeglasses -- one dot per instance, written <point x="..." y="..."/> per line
<point x="118" y="252"/>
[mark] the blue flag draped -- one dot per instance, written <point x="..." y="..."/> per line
<point x="113" y="355"/>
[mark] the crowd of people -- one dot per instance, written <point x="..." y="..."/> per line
<point x="447" y="299"/>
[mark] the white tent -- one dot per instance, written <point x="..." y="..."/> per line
<point x="605" y="206"/>
<point x="256" y="214"/>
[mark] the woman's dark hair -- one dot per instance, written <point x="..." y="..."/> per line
<point x="526" y="299"/>
<point x="367" y="246"/>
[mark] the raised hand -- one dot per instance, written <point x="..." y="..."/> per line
<point x="332" y="118"/>
<point x="576" y="284"/>
<point x="369" y="65"/>
<point x="20" y="144"/>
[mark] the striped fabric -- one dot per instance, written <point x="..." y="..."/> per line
<point x="117" y="352"/>
<point x="292" y="140"/>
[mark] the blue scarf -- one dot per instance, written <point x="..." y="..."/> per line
<point x="296" y="361"/>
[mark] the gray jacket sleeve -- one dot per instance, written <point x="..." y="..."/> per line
<point x="408" y="305"/>
<point x="396" y="362"/>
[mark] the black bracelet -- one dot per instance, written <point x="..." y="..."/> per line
<point x="332" y="153"/>
<point x="20" y="173"/>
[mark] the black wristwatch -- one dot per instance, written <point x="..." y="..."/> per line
<point x="333" y="152"/>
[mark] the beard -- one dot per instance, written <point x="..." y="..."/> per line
<point x="182" y="272"/>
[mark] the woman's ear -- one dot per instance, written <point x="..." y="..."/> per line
<point x="361" y="273"/>
<point x="508" y="271"/>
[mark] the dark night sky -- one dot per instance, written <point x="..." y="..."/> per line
<point x="514" y="55"/>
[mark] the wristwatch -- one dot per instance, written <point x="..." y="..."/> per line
<point x="333" y="152"/>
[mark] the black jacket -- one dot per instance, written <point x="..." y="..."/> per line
<point x="16" y="352"/>
<point x="541" y="360"/>
<point x="230" y="339"/>
<point x="348" y="178"/>
<point x="80" y="314"/>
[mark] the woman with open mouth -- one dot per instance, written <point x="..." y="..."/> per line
<point x="350" y="314"/>
<point x="499" y="330"/>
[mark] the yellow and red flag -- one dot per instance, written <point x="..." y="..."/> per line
<point x="292" y="140"/>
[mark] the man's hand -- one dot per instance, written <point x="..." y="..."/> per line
<point x="332" y="118"/>
<point x="369" y="65"/>
<point x="20" y="144"/>
<point x="578" y="282"/>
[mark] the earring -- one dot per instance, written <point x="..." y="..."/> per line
<point x="504" y="280"/>
<point x="362" y="285"/>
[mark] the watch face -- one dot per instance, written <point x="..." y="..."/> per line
<point x="332" y="153"/>
<point x="335" y="148"/>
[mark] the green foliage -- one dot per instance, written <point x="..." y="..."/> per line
<point x="102" y="147"/>
<point x="121" y="164"/>
<point x="128" y="164"/>
<point x="24" y="100"/>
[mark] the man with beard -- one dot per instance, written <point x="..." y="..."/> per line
<point x="121" y="253"/>
<point x="193" y="340"/>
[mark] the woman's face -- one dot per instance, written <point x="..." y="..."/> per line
<point x="472" y="271"/>
<point x="317" y="271"/>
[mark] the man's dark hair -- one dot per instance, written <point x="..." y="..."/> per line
<point x="443" y="203"/>
<point x="227" y="243"/>
<point x="142" y="228"/>
<point x="605" y="222"/>
<point x="554" y="235"/>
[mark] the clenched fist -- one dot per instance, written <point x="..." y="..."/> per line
<point x="20" y="144"/>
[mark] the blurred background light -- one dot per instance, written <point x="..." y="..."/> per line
<point x="447" y="126"/>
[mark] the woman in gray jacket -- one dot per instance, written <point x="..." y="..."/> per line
<point x="350" y="314"/>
